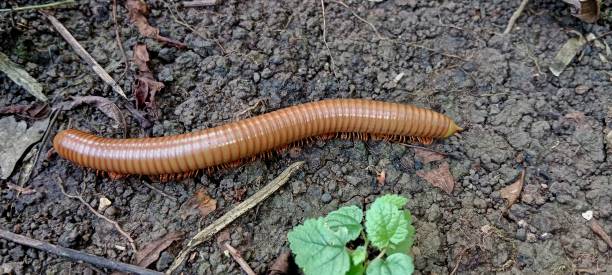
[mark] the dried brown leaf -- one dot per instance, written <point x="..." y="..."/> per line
<point x="513" y="191"/>
<point x="150" y="252"/>
<point x="426" y="156"/>
<point x="222" y="238"/>
<point x="586" y="10"/>
<point x="440" y="177"/>
<point x="138" y="12"/>
<point x="103" y="104"/>
<point x="146" y="86"/>
<point x="35" y="110"/>
<point x="380" y="178"/>
<point x="597" y="229"/>
<point x="281" y="264"/>
<point x="200" y="202"/>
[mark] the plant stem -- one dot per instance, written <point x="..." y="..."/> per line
<point x="382" y="253"/>
<point x="42" y="6"/>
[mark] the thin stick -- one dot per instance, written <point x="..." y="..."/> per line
<point x="118" y="39"/>
<point x="238" y="258"/>
<point x="42" y="6"/>
<point x="362" y="20"/>
<point x="159" y="191"/>
<point x="179" y="20"/>
<point x="424" y="148"/>
<point x="43" y="141"/>
<point x="233" y="214"/>
<point x="114" y="223"/>
<point x="200" y="3"/>
<point x="331" y="57"/>
<point x="515" y="16"/>
<point x="85" y="55"/>
<point x="74" y="255"/>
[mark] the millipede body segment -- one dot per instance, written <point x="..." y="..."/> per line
<point x="186" y="153"/>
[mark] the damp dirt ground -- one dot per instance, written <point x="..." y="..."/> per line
<point x="251" y="57"/>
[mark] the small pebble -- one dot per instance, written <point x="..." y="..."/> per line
<point x="326" y="198"/>
<point x="588" y="215"/>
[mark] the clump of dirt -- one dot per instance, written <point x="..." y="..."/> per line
<point x="270" y="54"/>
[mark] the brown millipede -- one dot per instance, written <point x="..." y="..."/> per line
<point x="186" y="153"/>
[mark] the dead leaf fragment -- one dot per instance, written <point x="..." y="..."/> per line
<point x="513" y="191"/>
<point x="35" y="110"/>
<point x="16" y="138"/>
<point x="200" y="202"/>
<point x="138" y="12"/>
<point x="103" y="104"/>
<point x="597" y="229"/>
<point x="586" y="10"/>
<point x="427" y="156"/>
<point x="380" y="178"/>
<point x="439" y="177"/>
<point x="21" y="77"/>
<point x="150" y="252"/>
<point x="146" y="86"/>
<point x="565" y="55"/>
<point x="280" y="265"/>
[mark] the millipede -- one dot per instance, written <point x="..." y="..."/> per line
<point x="181" y="155"/>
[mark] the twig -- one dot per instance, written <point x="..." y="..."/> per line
<point x="515" y="16"/>
<point x="85" y="55"/>
<point x="233" y="214"/>
<point x="597" y="229"/>
<point x="159" y="191"/>
<point x="200" y="3"/>
<point x="42" y="6"/>
<point x="118" y="39"/>
<point x="259" y="102"/>
<point x="54" y="114"/>
<point x="362" y="20"/>
<point x="238" y="258"/>
<point x="331" y="57"/>
<point x="424" y="148"/>
<point x="179" y="20"/>
<point x="74" y="255"/>
<point x="114" y="223"/>
<point x="458" y="261"/>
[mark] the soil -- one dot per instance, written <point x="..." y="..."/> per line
<point x="453" y="59"/>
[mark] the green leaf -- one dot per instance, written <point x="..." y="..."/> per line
<point x="385" y="225"/>
<point x="356" y="270"/>
<point x="358" y="255"/>
<point x="406" y="245"/>
<point x="318" y="249"/>
<point x="349" y="217"/>
<point x="396" y="264"/>
<point x="396" y="200"/>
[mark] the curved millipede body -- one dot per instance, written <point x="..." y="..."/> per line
<point x="186" y="153"/>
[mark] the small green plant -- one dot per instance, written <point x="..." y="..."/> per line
<point x="320" y="245"/>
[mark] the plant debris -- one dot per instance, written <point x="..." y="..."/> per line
<point x="281" y="264"/>
<point x="138" y="12"/>
<point x="380" y="178"/>
<point x="200" y="202"/>
<point x="16" y="139"/>
<point x="585" y="10"/>
<point x="513" y="191"/>
<point x="567" y="52"/>
<point x="150" y="252"/>
<point x="35" y="110"/>
<point x="599" y="231"/>
<point x="427" y="156"/>
<point x="21" y="77"/>
<point x="104" y="105"/>
<point x="19" y="189"/>
<point x="439" y="177"/>
<point x="146" y="86"/>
